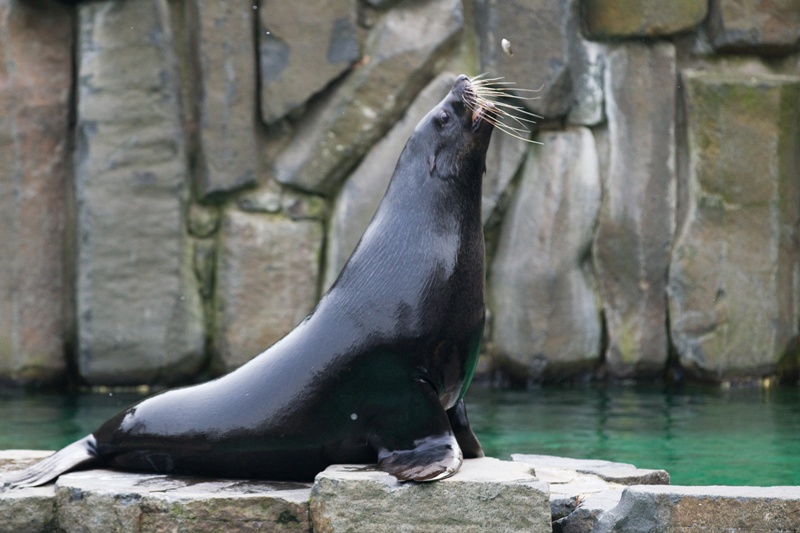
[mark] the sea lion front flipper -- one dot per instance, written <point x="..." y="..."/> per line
<point x="423" y="448"/>
<point x="467" y="440"/>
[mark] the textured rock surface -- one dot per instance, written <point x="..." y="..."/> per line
<point x="735" y="274"/>
<point x="754" y="26"/>
<point x="298" y="55"/>
<point x="138" y="309"/>
<point x="545" y="320"/>
<point x="266" y="282"/>
<point x="503" y="161"/>
<point x="30" y="510"/>
<point x="35" y="83"/>
<point x="402" y="50"/>
<point x="227" y="96"/>
<point x="637" y="217"/>
<point x="674" y="508"/>
<point x="102" y="500"/>
<point x="485" y="495"/>
<point x="646" y="18"/>
<point x="359" y="197"/>
<point x="582" y="491"/>
<point x="539" y="32"/>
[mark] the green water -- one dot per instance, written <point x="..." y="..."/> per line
<point x="700" y="435"/>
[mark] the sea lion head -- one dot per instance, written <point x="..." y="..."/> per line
<point x="455" y="134"/>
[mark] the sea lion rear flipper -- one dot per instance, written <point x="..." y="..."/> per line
<point x="78" y="454"/>
<point x="423" y="448"/>
<point x="467" y="440"/>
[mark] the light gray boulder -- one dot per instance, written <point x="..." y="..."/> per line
<point x="36" y="65"/>
<point x="139" y="315"/>
<point x="484" y="495"/>
<point x="735" y="267"/>
<point x="637" y="217"/>
<point x="541" y="290"/>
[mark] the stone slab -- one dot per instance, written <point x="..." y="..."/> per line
<point x="139" y="316"/>
<point x="546" y="323"/>
<point x="636" y="224"/>
<point x="227" y="98"/>
<point x="754" y="26"/>
<point x="582" y="491"/>
<point x="36" y="63"/>
<point x="736" y="264"/>
<point x="30" y="510"/>
<point x="696" y="509"/>
<point x="104" y="500"/>
<point x="484" y="495"/>
<point x="641" y="18"/>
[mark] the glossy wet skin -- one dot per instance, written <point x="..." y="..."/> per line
<point x="382" y="362"/>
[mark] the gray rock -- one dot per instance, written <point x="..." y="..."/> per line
<point x="621" y="473"/>
<point x="103" y="500"/>
<point x="588" y="63"/>
<point x="360" y="195"/>
<point x="35" y="79"/>
<point x="139" y="316"/>
<point x="582" y="491"/>
<point x="735" y="272"/>
<point x="540" y="32"/>
<point x="484" y="495"/>
<point x="604" y="19"/>
<point x="637" y="217"/>
<point x="752" y="26"/>
<point x="302" y="48"/>
<point x="402" y="52"/>
<point x="675" y="508"/>
<point x="503" y="161"/>
<point x="267" y="276"/>
<point x="545" y="320"/>
<point x="227" y="98"/>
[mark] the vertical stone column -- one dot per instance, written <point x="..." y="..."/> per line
<point x="545" y="322"/>
<point x="35" y="81"/>
<point x="138" y="310"/>
<point x="735" y="269"/>
<point x="637" y="218"/>
<point x="226" y="96"/>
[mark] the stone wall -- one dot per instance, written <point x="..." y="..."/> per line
<point x="180" y="179"/>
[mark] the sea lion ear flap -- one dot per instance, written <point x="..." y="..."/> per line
<point x="431" y="163"/>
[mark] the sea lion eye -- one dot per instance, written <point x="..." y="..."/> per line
<point x="444" y="117"/>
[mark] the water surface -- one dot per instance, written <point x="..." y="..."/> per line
<point x="700" y="435"/>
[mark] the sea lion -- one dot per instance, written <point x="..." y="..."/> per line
<point x="376" y="373"/>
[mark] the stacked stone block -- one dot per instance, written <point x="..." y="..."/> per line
<point x="179" y="187"/>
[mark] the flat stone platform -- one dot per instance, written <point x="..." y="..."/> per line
<point x="531" y="493"/>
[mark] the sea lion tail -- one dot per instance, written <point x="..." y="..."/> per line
<point x="79" y="453"/>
